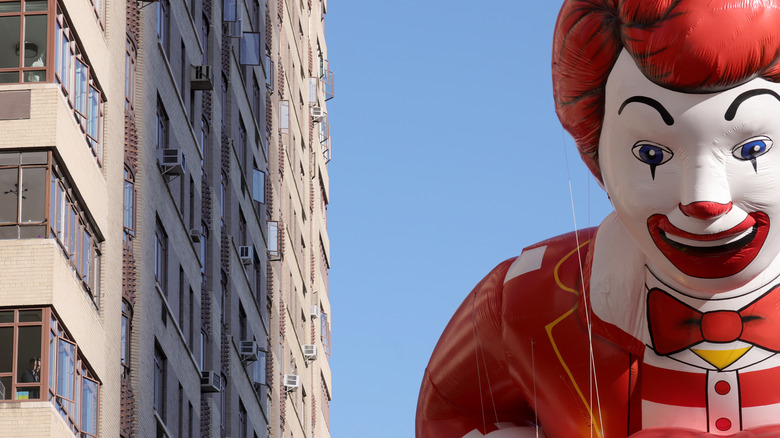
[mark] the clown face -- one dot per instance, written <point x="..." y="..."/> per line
<point x="695" y="178"/>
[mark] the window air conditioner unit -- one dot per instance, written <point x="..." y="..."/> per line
<point x="248" y="350"/>
<point x="171" y="160"/>
<point x="195" y="235"/>
<point x="315" y="311"/>
<point x="291" y="382"/>
<point x="309" y="351"/>
<point x="246" y="254"/>
<point x="201" y="77"/>
<point x="317" y="113"/>
<point x="210" y="381"/>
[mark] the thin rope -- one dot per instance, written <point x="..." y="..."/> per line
<point x="593" y="381"/>
<point x="476" y="357"/>
<point x="533" y="367"/>
<point x="487" y="374"/>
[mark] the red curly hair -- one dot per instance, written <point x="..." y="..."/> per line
<point x="693" y="46"/>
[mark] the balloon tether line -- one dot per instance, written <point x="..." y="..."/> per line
<point x="533" y="368"/>
<point x="592" y="367"/>
<point x="479" y="350"/>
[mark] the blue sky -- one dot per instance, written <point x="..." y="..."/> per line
<point x="447" y="159"/>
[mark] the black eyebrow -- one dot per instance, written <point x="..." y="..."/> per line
<point x="668" y="119"/>
<point x="732" y="111"/>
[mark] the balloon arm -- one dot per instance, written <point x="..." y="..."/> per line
<point x="467" y="384"/>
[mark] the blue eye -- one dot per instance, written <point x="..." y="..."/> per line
<point x="752" y="149"/>
<point x="652" y="154"/>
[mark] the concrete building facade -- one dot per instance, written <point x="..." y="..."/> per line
<point x="164" y="252"/>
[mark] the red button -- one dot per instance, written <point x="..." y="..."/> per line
<point x="722" y="387"/>
<point x="723" y="424"/>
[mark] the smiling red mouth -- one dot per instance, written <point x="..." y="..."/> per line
<point x="715" y="255"/>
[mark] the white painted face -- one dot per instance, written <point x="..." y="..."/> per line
<point x="695" y="178"/>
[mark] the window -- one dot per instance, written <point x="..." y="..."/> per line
<point x="203" y="144"/>
<point x="325" y="401"/>
<point x="72" y="386"/>
<point x="269" y="70"/>
<point x="204" y="237"/>
<point x="59" y="374"/>
<point x="222" y="199"/>
<point x="27" y="179"/>
<point x="249" y="48"/>
<point x="161" y="131"/>
<point x="223" y="99"/>
<point x="284" y="116"/>
<point x="191" y="332"/>
<point x="256" y="102"/>
<point x="163" y="23"/>
<point x="202" y="356"/>
<point x="242" y="236"/>
<point x="127" y="316"/>
<point x="160" y="381"/>
<point x="161" y="257"/>
<point x="222" y="406"/>
<point x="23" y="194"/>
<point x="129" y="205"/>
<point x="242" y="424"/>
<point x="204" y="37"/>
<point x="230" y="11"/>
<point x="274" y="251"/>
<point x="258" y="186"/>
<point x="183" y="69"/>
<point x="242" y="146"/>
<point x="223" y="303"/>
<point x="78" y="83"/>
<point x="191" y="204"/>
<point x="130" y="57"/>
<point x="325" y="332"/>
<point x="26" y="20"/>
<point x="21" y="340"/>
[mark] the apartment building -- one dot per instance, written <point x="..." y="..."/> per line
<point x="163" y="200"/>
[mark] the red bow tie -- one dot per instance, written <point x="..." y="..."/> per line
<point x="675" y="326"/>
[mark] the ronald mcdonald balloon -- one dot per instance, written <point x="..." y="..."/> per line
<point x="664" y="321"/>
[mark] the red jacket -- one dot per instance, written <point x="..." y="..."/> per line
<point x="517" y="351"/>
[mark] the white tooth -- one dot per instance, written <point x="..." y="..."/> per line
<point x="711" y="243"/>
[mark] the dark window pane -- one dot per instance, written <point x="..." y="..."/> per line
<point x="9" y="158"/>
<point x="9" y="32"/>
<point x="35" y="76"/>
<point x="36" y="232"/>
<point x="28" y="359"/>
<point x="5" y="388"/>
<point x="9" y="187"/>
<point x="35" y="5"/>
<point x="9" y="232"/>
<point x="35" y="42"/>
<point x="6" y="316"/>
<point x="52" y="358"/>
<point x="41" y="157"/>
<point x="6" y="350"/>
<point x="34" y="194"/>
<point x="10" y="7"/>
<point x="28" y="392"/>
<point x="30" y="315"/>
<point x="9" y="77"/>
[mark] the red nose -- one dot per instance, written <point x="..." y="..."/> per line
<point x="705" y="210"/>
